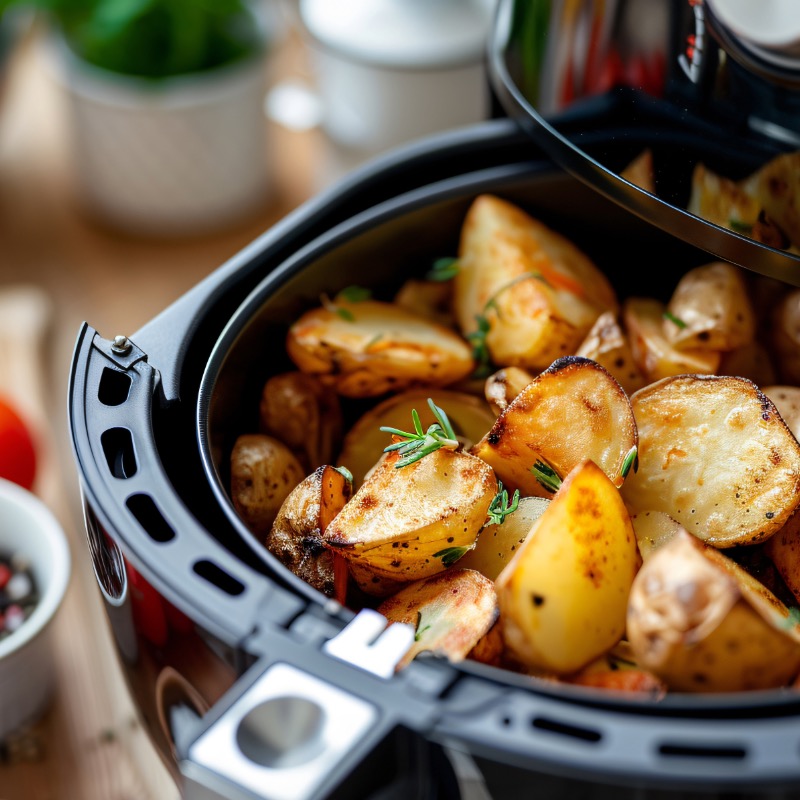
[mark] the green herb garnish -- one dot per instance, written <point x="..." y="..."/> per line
<point x="421" y="443"/>
<point x="499" y="508"/>
<point x="417" y="630"/>
<point x="443" y="269"/>
<point x="739" y="226"/>
<point x="450" y="555"/>
<point x="354" y="294"/>
<point x="793" y="619"/>
<point x="546" y="476"/>
<point x="675" y="320"/>
<point x="480" y="350"/>
<point x="631" y="460"/>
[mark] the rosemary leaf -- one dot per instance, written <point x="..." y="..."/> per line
<point x="739" y="226"/>
<point x="631" y="460"/>
<point x="443" y="269"/>
<point x="450" y="555"/>
<point x="499" y="508"/>
<point x="675" y="320"/>
<point x="355" y="294"/>
<point x="546" y="476"/>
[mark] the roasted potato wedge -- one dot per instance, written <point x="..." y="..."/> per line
<point x="364" y="349"/>
<point x="451" y="612"/>
<point x="702" y="624"/>
<point x="608" y="345"/>
<point x="787" y="401"/>
<point x="710" y="309"/>
<point x="716" y="456"/>
<point x="432" y="299"/>
<point x="570" y="412"/>
<point x="617" y="671"/>
<point x="498" y="542"/>
<point x="295" y="538"/>
<point x="504" y="385"/>
<point x="299" y="411"/>
<point x="753" y="361"/>
<point x="643" y="318"/>
<point x="640" y="171"/>
<point x="722" y="201"/>
<point x="410" y="523"/>
<point x="785" y="336"/>
<point x="776" y="189"/>
<point x="653" y="529"/>
<point x="536" y="293"/>
<point x="783" y="550"/>
<point x="563" y="597"/>
<point x="263" y="472"/>
<point x="364" y="443"/>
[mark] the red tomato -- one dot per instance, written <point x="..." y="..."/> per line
<point x="17" y="452"/>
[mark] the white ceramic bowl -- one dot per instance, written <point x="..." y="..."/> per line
<point x="27" y="674"/>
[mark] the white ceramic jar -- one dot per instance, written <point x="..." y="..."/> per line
<point x="389" y="71"/>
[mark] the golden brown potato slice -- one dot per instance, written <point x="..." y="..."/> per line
<point x="783" y="550"/>
<point x="537" y="294"/>
<point x="653" y="530"/>
<point x="572" y="411"/>
<point x="787" y="401"/>
<point x="409" y="523"/>
<point x="498" y="542"/>
<point x="716" y="456"/>
<point x="785" y="335"/>
<point x="263" y="472"/>
<point x="701" y="623"/>
<point x="365" y="441"/>
<point x="722" y="202"/>
<point x="364" y="349"/>
<point x="504" y="385"/>
<point x="431" y="299"/>
<point x="640" y="171"/>
<point x="295" y="538"/>
<point x="776" y="188"/>
<point x="753" y="361"/>
<point x="451" y="612"/>
<point x="710" y="309"/>
<point x="563" y="597"/>
<point x="297" y="409"/>
<point x="608" y="345"/>
<point x="643" y="319"/>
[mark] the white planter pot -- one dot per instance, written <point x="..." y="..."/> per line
<point x="178" y="155"/>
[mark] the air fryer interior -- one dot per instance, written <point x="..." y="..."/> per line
<point x="380" y="249"/>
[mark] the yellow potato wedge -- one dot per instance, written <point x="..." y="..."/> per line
<point x="608" y="345"/>
<point x="295" y="538"/>
<point x="716" y="456"/>
<point x="702" y="624"/>
<point x="787" y="401"/>
<point x="753" y="361"/>
<point x="653" y="529"/>
<point x="431" y="299"/>
<point x="364" y="349"/>
<point x="785" y="336"/>
<point x="537" y="293"/>
<point x="410" y="523"/>
<point x="498" y="543"/>
<point x="563" y="597"/>
<point x="297" y="409"/>
<point x="570" y="412"/>
<point x="263" y="472"/>
<point x="643" y="319"/>
<point x="776" y="189"/>
<point x="710" y="309"/>
<point x="451" y="612"/>
<point x="640" y="171"/>
<point x="722" y="201"/>
<point x="504" y="385"/>
<point x="365" y="441"/>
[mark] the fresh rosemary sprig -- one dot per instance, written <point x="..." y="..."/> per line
<point x="329" y="305"/>
<point x="739" y="226"/>
<point x="450" y="555"/>
<point x="499" y="508"/>
<point x="355" y="294"/>
<point x="631" y="460"/>
<point x="350" y="294"/>
<point x="675" y="320"/>
<point x="417" y="630"/>
<point x="421" y="443"/>
<point x="443" y="269"/>
<point x="546" y="476"/>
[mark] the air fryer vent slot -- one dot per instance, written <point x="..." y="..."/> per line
<point x="114" y="387"/>
<point x="143" y="507"/>
<point x="703" y="751"/>
<point x="566" y="729"/>
<point x="217" y="576"/>
<point x="120" y="456"/>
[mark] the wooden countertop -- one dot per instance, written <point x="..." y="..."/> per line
<point x="72" y="268"/>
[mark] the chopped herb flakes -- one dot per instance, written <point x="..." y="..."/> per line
<point x="450" y="555"/>
<point x="419" y="444"/>
<point x="443" y="269"/>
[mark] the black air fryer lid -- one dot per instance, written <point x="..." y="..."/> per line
<point x="710" y="87"/>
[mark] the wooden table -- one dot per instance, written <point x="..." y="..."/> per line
<point x="72" y="269"/>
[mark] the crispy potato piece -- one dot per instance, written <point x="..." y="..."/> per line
<point x="538" y="293"/>
<point x="410" y="523"/>
<point x="640" y="171"/>
<point x="299" y="411"/>
<point x="263" y="472"/>
<point x="572" y="411"/>
<point x="783" y="550"/>
<point x="563" y="597"/>
<point x="490" y="648"/>
<point x="785" y="335"/>
<point x="710" y="309"/>
<point x="295" y="538"/>
<point x="716" y="456"/>
<point x="498" y="543"/>
<point x="787" y="401"/>
<point x="617" y="671"/>
<point x="722" y="201"/>
<point x="367" y="348"/>
<point x="431" y="299"/>
<point x="608" y="345"/>
<point x="776" y="189"/>
<point x="643" y="319"/>
<point x="450" y="612"/>
<point x="372" y="584"/>
<point x="365" y="441"/>
<point x="653" y="529"/>
<point x="753" y="361"/>
<point x="700" y="622"/>
<point x="504" y="385"/>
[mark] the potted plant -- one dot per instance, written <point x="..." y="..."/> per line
<point x="165" y="103"/>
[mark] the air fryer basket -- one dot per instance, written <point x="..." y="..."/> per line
<point x="250" y="681"/>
